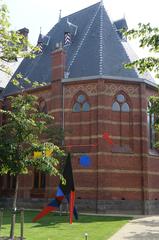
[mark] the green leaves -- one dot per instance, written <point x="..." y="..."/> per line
<point x="153" y="109"/>
<point x="154" y="105"/>
<point x="21" y="135"/>
<point x="13" y="44"/>
<point x="148" y="38"/>
<point x="145" y="64"/>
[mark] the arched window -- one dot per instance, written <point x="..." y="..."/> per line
<point x="39" y="184"/>
<point x="81" y="104"/>
<point x="42" y="106"/>
<point x="151" y="127"/>
<point x="122" y="130"/>
<point x="11" y="181"/>
<point x="120" y="104"/>
<point x="7" y="185"/>
<point x="39" y="180"/>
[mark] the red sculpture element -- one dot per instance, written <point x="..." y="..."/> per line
<point x="72" y="201"/>
<point x="107" y="138"/>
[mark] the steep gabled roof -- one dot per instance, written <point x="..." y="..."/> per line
<point x="95" y="49"/>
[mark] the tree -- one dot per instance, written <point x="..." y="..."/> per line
<point x="153" y="108"/>
<point x="24" y="128"/>
<point x="21" y="134"/>
<point x="12" y="43"/>
<point x="148" y="37"/>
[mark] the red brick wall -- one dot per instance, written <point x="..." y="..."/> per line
<point x="117" y="174"/>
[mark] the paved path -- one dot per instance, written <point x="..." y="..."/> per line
<point x="146" y="228"/>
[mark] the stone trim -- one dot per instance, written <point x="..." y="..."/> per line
<point x="113" y="154"/>
<point x="117" y="78"/>
<point x="100" y="136"/>
<point x="115" y="171"/>
<point x="102" y="121"/>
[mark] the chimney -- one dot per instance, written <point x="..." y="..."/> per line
<point x="59" y="59"/>
<point x="24" y="32"/>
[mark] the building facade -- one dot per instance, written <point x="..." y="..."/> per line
<point x="90" y="93"/>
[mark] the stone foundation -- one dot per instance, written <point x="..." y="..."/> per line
<point x="91" y="206"/>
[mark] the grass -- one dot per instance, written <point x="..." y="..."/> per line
<point x="55" y="227"/>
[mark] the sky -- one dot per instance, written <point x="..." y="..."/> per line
<point x="34" y="14"/>
<point x="44" y="14"/>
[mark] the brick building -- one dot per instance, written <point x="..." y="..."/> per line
<point x="89" y="92"/>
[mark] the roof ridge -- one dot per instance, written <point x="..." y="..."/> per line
<point x="123" y="44"/>
<point x="101" y="42"/>
<point x="84" y="9"/>
<point x="83" y="39"/>
<point x="119" y="40"/>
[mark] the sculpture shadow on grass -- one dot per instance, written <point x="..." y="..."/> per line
<point x="53" y="219"/>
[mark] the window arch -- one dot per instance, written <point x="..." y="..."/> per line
<point x="81" y="104"/>
<point x="11" y="181"/>
<point x="122" y="117"/>
<point x="39" y="184"/>
<point x="42" y="105"/>
<point x="151" y="127"/>
<point x="120" y="104"/>
<point x="39" y="180"/>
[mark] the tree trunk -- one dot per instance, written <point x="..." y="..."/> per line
<point x="13" y="219"/>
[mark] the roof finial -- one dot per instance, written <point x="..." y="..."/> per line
<point x="60" y="15"/>
<point x="101" y="2"/>
<point x="40" y="38"/>
<point x="40" y="29"/>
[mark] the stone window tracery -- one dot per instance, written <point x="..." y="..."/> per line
<point x="120" y="104"/>
<point x="81" y="104"/>
<point x="122" y="115"/>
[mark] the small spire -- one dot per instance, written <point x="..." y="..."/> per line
<point x="60" y="15"/>
<point x="40" y="38"/>
<point x="101" y="2"/>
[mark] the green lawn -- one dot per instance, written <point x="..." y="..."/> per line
<point x="55" y="227"/>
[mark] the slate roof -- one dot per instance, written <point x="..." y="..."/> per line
<point x="121" y="24"/>
<point x="96" y="49"/>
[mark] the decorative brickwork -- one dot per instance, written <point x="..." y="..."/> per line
<point x="112" y="89"/>
<point x="89" y="89"/>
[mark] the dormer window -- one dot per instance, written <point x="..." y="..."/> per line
<point x="69" y="32"/>
<point x="121" y="25"/>
<point x="67" y="38"/>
